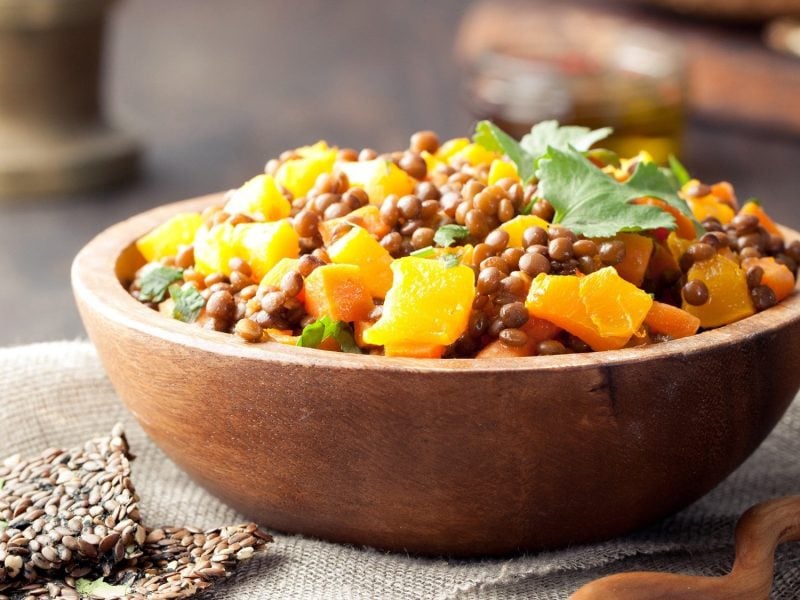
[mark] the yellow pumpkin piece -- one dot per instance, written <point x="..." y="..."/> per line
<point x="615" y="306"/>
<point x="474" y="154"/>
<point x="299" y="175"/>
<point x="321" y="148"/>
<point x="214" y="248"/>
<point x="262" y="245"/>
<point x="359" y="248"/>
<point x="501" y="169"/>
<point x="677" y="245"/>
<point x="368" y="217"/>
<point x="450" y="147"/>
<point x="638" y="250"/>
<point x="752" y="207"/>
<point x="379" y="178"/>
<point x="260" y="199"/>
<point x="431" y="161"/>
<point x="339" y="291"/>
<point x="463" y="253"/>
<point x="166" y="239"/>
<point x="708" y="206"/>
<point x="282" y="336"/>
<point x="517" y="226"/>
<point x="728" y="294"/>
<point x="428" y="304"/>
<point x="276" y="273"/>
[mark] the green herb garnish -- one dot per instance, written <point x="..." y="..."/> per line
<point x="188" y="302"/>
<point x="447" y="235"/>
<point x="426" y="252"/>
<point x="678" y="170"/>
<point x="549" y="134"/>
<point x="320" y="330"/>
<point x="156" y="280"/>
<point x="100" y="589"/>
<point x="592" y="204"/>
<point x="450" y="260"/>
<point x="527" y="153"/>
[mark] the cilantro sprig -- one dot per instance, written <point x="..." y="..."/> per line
<point x="156" y="280"/>
<point x="320" y="330"/>
<point x="678" y="170"/>
<point x="188" y="302"/>
<point x="98" y="588"/>
<point x="447" y="235"/>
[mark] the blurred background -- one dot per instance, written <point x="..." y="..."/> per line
<point x="196" y="95"/>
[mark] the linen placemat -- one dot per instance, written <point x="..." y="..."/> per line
<point x="57" y="394"/>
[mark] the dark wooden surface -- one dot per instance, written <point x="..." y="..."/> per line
<point x="213" y="89"/>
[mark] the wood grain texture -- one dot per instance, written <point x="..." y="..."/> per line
<point x="760" y="530"/>
<point x="458" y="457"/>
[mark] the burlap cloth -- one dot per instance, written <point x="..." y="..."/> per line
<point x="56" y="394"/>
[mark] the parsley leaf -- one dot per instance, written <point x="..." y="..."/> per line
<point x="491" y="137"/>
<point x="678" y="170"/>
<point x="447" y="235"/>
<point x="156" y="280"/>
<point x="188" y="302"/>
<point x="549" y="134"/>
<point x="590" y="203"/>
<point x="320" y="330"/>
<point x="450" y="260"/>
<point x="100" y="589"/>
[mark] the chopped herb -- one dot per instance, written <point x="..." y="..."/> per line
<point x="188" y="302"/>
<point x="549" y="134"/>
<point x="450" y="260"/>
<point x="678" y="170"/>
<point x="100" y="589"/>
<point x="2" y="483"/>
<point x="155" y="282"/>
<point x="491" y="137"/>
<point x="527" y="153"/>
<point x="320" y="330"/>
<point x="590" y="203"/>
<point x="447" y="235"/>
<point x="3" y="525"/>
<point x="426" y="252"/>
<point x="527" y="208"/>
<point x="753" y="200"/>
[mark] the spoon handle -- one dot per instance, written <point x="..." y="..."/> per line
<point x="759" y="531"/>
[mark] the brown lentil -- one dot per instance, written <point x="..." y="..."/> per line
<point x="513" y="337"/>
<point x="248" y="330"/>
<point x="424" y="141"/>
<point x="514" y="315"/>
<point x="763" y="297"/>
<point x="695" y="292"/>
<point x="550" y="348"/>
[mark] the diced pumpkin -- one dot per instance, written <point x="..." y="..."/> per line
<point x="214" y="248"/>
<point x="684" y="226"/>
<point x="672" y="321"/>
<point x="677" y="246"/>
<point x="501" y="169"/>
<point x="729" y="297"/>
<point x="537" y="330"/>
<point x="167" y="238"/>
<point x="277" y="272"/>
<point x="262" y="245"/>
<point x="706" y="207"/>
<point x="661" y="262"/>
<point x="282" y="336"/>
<point x="260" y="199"/>
<point x="723" y="191"/>
<point x="776" y="276"/>
<point x="638" y="251"/>
<point x="616" y="307"/>
<point x="339" y="291"/>
<point x="517" y="226"/>
<point x="450" y="147"/>
<point x="474" y="154"/>
<point x="359" y="248"/>
<point x="379" y="178"/>
<point x="602" y="309"/>
<point x="368" y="217"/>
<point x="428" y="304"/>
<point x="431" y="161"/>
<point x="751" y="207"/>
<point x="298" y="175"/>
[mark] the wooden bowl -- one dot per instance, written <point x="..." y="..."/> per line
<point x="458" y="457"/>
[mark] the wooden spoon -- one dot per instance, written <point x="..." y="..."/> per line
<point x="758" y="533"/>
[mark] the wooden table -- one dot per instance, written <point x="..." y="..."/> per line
<point x="213" y="89"/>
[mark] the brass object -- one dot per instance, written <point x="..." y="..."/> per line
<point x="54" y="137"/>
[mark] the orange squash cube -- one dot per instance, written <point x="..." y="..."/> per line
<point x="339" y="291"/>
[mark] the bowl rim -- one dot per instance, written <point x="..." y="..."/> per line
<point x="95" y="283"/>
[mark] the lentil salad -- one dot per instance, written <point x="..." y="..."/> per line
<point x="481" y="248"/>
